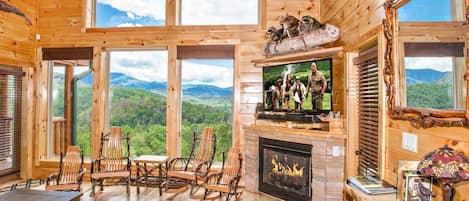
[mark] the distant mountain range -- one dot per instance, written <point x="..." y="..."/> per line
<point x="416" y="76"/>
<point x="122" y="80"/>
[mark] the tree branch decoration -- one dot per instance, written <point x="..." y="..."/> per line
<point x="11" y="9"/>
<point x="298" y="35"/>
<point x="419" y="118"/>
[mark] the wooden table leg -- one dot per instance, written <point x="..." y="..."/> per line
<point x="145" y="172"/>
<point x="138" y="178"/>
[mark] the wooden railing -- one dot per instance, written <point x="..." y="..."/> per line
<point x="58" y="131"/>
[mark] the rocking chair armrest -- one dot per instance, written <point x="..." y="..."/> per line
<point x="213" y="178"/>
<point x="80" y="175"/>
<point x="199" y="171"/>
<point x="52" y="178"/>
<point x="95" y="165"/>
<point x="173" y="162"/>
<point x="234" y="182"/>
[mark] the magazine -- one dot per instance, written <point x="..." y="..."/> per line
<point x="370" y="185"/>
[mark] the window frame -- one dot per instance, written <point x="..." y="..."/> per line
<point x="107" y="69"/>
<point x="233" y="120"/>
<point x="172" y="19"/>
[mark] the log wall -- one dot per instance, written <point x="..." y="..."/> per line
<point x="360" y="21"/>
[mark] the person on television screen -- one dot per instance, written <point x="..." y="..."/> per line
<point x="317" y="84"/>
<point x="287" y="85"/>
<point x="277" y="95"/>
<point x="299" y="92"/>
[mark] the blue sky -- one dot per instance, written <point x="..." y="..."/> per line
<point x="127" y="13"/>
<point x="425" y="10"/>
<point x="108" y="16"/>
<point x="152" y="65"/>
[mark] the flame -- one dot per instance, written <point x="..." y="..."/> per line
<point x="285" y="169"/>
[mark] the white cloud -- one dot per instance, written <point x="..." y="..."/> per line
<point x="193" y="73"/>
<point x="150" y="8"/>
<point x="203" y="12"/>
<point x="129" y="25"/>
<point x="153" y="66"/>
<point x="442" y="64"/>
<point x="143" y="65"/>
<point x="130" y="15"/>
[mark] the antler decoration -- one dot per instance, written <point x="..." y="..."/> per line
<point x="11" y="9"/>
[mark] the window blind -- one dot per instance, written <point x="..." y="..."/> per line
<point x="10" y="119"/>
<point x="367" y="63"/>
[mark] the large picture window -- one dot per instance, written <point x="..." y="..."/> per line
<point x="137" y="98"/>
<point x="219" y="12"/>
<point x="207" y="101"/>
<point x="436" y="11"/>
<point x="70" y="109"/>
<point x="130" y="13"/>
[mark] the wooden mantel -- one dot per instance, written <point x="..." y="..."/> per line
<point x="298" y="131"/>
<point x="314" y="54"/>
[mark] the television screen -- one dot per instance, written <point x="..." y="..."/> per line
<point x="300" y="87"/>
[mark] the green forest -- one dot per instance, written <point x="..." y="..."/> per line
<point x="142" y="114"/>
<point x="430" y="95"/>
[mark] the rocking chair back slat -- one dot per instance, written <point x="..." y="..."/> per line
<point x="205" y="146"/>
<point x="112" y="151"/>
<point x="71" y="166"/>
<point x="232" y="166"/>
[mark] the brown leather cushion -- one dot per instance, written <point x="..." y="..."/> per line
<point x="110" y="174"/>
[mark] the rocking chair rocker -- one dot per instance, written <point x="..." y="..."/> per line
<point x="194" y="169"/>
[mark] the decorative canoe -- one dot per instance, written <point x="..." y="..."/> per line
<point x="305" y="42"/>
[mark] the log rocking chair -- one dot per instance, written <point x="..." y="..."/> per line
<point x="225" y="182"/>
<point x="192" y="170"/>
<point x="111" y="163"/>
<point x="70" y="174"/>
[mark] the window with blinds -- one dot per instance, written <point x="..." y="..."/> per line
<point x="367" y="63"/>
<point x="10" y="119"/>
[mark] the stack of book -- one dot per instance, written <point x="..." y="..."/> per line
<point x="370" y="185"/>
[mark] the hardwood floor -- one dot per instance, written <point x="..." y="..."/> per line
<point x="118" y="193"/>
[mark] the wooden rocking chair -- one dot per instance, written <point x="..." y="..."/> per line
<point x="226" y="182"/>
<point x="70" y="174"/>
<point x="194" y="169"/>
<point x="111" y="163"/>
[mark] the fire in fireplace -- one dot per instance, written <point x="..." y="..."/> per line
<point x="285" y="169"/>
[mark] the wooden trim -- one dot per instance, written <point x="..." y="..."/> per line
<point x="173" y="104"/>
<point x="69" y="69"/>
<point x="99" y="99"/>
<point x="351" y="164"/>
<point x="171" y="12"/>
<point x="175" y="28"/>
<point x="236" y="130"/>
<point x="419" y="118"/>
<point x="309" y="55"/>
<point x="262" y="19"/>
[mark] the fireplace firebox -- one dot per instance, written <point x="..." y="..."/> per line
<point x="285" y="169"/>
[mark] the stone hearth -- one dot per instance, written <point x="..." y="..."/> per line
<point x="327" y="157"/>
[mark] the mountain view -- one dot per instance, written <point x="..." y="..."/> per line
<point x="428" y="88"/>
<point x="139" y="107"/>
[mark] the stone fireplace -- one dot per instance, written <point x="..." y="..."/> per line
<point x="318" y="157"/>
<point x="285" y="169"/>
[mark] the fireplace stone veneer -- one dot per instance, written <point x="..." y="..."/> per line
<point x="327" y="158"/>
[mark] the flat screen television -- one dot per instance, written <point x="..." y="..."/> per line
<point x="295" y="88"/>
